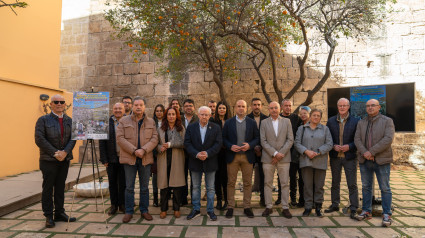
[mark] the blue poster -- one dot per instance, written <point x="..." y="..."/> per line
<point x="90" y="116"/>
<point x="360" y="95"/>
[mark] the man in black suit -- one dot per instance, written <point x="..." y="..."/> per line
<point x="203" y="141"/>
<point x="109" y="156"/>
<point x="240" y="136"/>
<point x="189" y="117"/>
<point x="258" y="116"/>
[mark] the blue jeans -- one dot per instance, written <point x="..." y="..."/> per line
<point x="130" y="179"/>
<point x="367" y="169"/>
<point x="196" y="193"/>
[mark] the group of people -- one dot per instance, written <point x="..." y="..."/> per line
<point x="177" y="143"/>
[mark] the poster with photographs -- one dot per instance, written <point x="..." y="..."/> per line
<point x="90" y="116"/>
<point x="360" y="95"/>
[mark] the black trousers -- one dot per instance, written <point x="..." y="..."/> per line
<point x="221" y="180"/>
<point x="53" y="187"/>
<point x="295" y="178"/>
<point x="165" y="194"/>
<point x="350" y="169"/>
<point x="116" y="177"/>
<point x="185" y="191"/>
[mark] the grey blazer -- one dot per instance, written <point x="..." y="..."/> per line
<point x="318" y="140"/>
<point x="271" y="143"/>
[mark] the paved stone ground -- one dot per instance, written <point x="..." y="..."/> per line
<point x="408" y="189"/>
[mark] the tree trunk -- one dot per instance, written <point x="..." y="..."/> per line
<point x="275" y="85"/>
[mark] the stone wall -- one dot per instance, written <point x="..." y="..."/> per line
<point x="90" y="58"/>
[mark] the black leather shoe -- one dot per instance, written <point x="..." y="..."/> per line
<point x="353" y="214"/>
<point x="49" y="222"/>
<point x="64" y="217"/>
<point x="248" y="212"/>
<point x="113" y="210"/>
<point x="229" y="213"/>
<point x="307" y="212"/>
<point x="319" y="210"/>
<point x="332" y="208"/>
<point x="224" y="207"/>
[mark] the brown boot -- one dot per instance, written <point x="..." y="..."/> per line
<point x="163" y="215"/>
<point x="127" y="218"/>
<point x="147" y="216"/>
<point x="177" y="214"/>
<point x="286" y="213"/>
<point x="267" y="212"/>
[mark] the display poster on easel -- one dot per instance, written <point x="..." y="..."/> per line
<point x="90" y="116"/>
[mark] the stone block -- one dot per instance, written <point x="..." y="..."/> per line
<point x="68" y="60"/>
<point x="103" y="70"/>
<point x="299" y="97"/>
<point x="156" y="79"/>
<point x="107" y="80"/>
<point x="293" y="73"/>
<point x="120" y="91"/>
<point x="356" y="46"/>
<point x="208" y="77"/>
<point x="162" y="89"/>
<point x="131" y="68"/>
<point x="112" y="57"/>
<point x="416" y="56"/>
<point x="95" y="26"/>
<point x="76" y="71"/>
<point x="64" y="72"/>
<point x="147" y="67"/>
<point x="409" y="70"/>
<point x="125" y="57"/>
<point x="106" y="26"/>
<point x="96" y="59"/>
<point x="138" y="79"/>
<point x="281" y="74"/>
<point x="196" y="76"/>
<point x="343" y="59"/>
<point x="250" y="74"/>
<point x="117" y="69"/>
<point x="413" y="42"/>
<point x="198" y="88"/>
<point x="112" y="46"/>
<point x="145" y="90"/>
<point x="80" y="39"/>
<point x="309" y="83"/>
<point x="124" y="79"/>
<point x="89" y="71"/>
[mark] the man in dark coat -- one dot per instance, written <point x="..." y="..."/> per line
<point x="109" y="156"/>
<point x="203" y="142"/>
<point x="343" y="154"/>
<point x="240" y="136"/>
<point x="53" y="137"/>
<point x="258" y="116"/>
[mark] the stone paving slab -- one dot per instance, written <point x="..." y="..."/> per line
<point x="408" y="219"/>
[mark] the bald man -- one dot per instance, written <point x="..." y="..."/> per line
<point x="53" y="137"/>
<point x="240" y="137"/>
<point x="110" y="157"/>
<point x="373" y="139"/>
<point x="276" y="138"/>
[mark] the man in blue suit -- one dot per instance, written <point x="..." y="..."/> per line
<point x="203" y="142"/>
<point x="240" y="137"/>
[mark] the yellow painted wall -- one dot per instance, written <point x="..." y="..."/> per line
<point x="30" y="42"/>
<point x="21" y="109"/>
<point x="29" y="66"/>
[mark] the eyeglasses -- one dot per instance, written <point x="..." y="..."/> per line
<point x="126" y="102"/>
<point x="57" y="102"/>
<point x="371" y="105"/>
<point x="343" y="105"/>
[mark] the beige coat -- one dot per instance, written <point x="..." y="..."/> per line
<point x="177" y="177"/>
<point x="271" y="143"/>
<point x="383" y="136"/>
<point x="127" y="139"/>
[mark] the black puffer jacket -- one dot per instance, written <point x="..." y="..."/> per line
<point x="48" y="136"/>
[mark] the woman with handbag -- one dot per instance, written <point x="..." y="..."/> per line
<point x="313" y="142"/>
<point x="171" y="161"/>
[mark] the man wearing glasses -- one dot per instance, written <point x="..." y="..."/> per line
<point x="373" y="139"/>
<point x="343" y="154"/>
<point x="128" y="104"/>
<point x="53" y="137"/>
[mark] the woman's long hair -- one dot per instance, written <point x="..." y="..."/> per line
<point x="178" y="123"/>
<point x="226" y="116"/>
<point x="154" y="114"/>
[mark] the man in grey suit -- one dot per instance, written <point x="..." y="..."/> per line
<point x="276" y="139"/>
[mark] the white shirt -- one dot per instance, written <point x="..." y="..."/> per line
<point x="60" y="116"/>
<point x="240" y="120"/>
<point x="275" y="124"/>
<point x="203" y="131"/>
